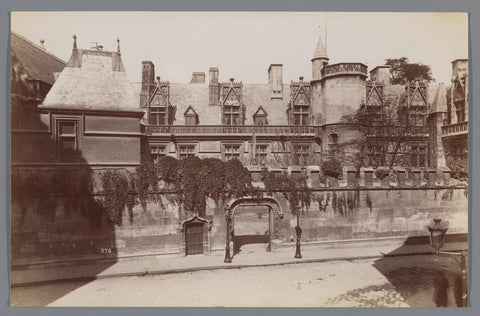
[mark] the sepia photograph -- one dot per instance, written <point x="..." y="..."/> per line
<point x="239" y="159"/>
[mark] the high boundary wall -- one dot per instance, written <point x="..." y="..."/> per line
<point x="61" y="231"/>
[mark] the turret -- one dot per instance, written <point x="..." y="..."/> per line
<point x="319" y="60"/>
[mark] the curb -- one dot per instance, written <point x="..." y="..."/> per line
<point x="207" y="268"/>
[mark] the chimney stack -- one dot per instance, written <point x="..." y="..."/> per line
<point x="148" y="81"/>
<point x="198" y="77"/>
<point x="214" y="88"/>
<point x="275" y="81"/>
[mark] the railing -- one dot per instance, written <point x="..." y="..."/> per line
<point x="455" y="129"/>
<point x="343" y="68"/>
<point x="227" y="129"/>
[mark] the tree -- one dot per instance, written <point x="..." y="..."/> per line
<point x="383" y="141"/>
<point x="404" y="71"/>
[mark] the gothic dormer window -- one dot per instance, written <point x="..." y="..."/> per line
<point x="232" y="105"/>
<point x="191" y="117"/>
<point x="260" y="117"/>
<point x="300" y="103"/>
<point x="159" y="104"/>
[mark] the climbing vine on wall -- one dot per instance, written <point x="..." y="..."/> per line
<point x="118" y="194"/>
<point x="292" y="186"/>
<point x="192" y="181"/>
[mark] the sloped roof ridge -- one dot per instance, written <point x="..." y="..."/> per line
<point x="440" y="101"/>
<point x="37" y="46"/>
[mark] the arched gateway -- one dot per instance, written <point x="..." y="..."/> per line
<point x="274" y="211"/>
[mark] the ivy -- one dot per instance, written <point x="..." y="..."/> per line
<point x="293" y="187"/>
<point x="332" y="168"/>
<point x="382" y="173"/>
<point x="193" y="181"/>
<point x="118" y="190"/>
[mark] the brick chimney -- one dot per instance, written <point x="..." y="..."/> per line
<point x="148" y="81"/>
<point x="381" y="74"/>
<point x="214" y="88"/>
<point x="275" y="81"/>
<point x="198" y="77"/>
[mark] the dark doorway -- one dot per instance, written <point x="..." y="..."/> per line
<point x="251" y="225"/>
<point x="194" y="239"/>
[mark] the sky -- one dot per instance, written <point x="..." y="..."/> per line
<point x="243" y="44"/>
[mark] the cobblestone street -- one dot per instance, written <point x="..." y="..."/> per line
<point x="390" y="281"/>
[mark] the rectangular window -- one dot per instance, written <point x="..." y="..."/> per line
<point x="261" y="155"/>
<point x="231" y="151"/>
<point x="301" y="154"/>
<point x="158" y="115"/>
<point x="158" y="151"/>
<point x="460" y="111"/>
<point x="231" y="115"/>
<point x="67" y="140"/>
<point x="418" y="156"/>
<point x="185" y="151"/>
<point x="260" y="120"/>
<point x="300" y="115"/>
<point x="190" y="119"/>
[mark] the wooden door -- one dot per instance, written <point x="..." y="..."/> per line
<point x="194" y="239"/>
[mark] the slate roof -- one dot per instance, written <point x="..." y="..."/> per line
<point x="392" y="93"/>
<point x="38" y="63"/>
<point x="182" y="95"/>
<point x="320" y="51"/>
<point x="439" y="103"/>
<point x="93" y="84"/>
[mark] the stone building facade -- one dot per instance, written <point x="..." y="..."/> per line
<point x="93" y="120"/>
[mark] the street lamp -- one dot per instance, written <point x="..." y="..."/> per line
<point x="437" y="234"/>
<point x="438" y="231"/>
<point x="298" y="230"/>
<point x="228" y="219"/>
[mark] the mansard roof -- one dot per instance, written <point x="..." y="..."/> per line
<point x="92" y="80"/>
<point x="37" y="62"/>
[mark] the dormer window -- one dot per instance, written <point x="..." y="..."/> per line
<point x="260" y="117"/>
<point x="159" y="103"/>
<point x="299" y="109"/>
<point x="191" y="117"/>
<point x="232" y="105"/>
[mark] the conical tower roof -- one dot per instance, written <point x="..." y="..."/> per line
<point x="320" y="51"/>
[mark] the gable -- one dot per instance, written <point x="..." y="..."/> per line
<point x="260" y="111"/>
<point x="374" y="98"/>
<point x="158" y="100"/>
<point x="417" y="99"/>
<point x="159" y="97"/>
<point x="231" y="99"/>
<point x="190" y="111"/>
<point x="301" y="98"/>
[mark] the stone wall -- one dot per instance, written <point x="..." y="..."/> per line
<point x="61" y="231"/>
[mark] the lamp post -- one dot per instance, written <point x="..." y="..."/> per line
<point x="438" y="232"/>
<point x="298" y="230"/>
<point x="228" y="219"/>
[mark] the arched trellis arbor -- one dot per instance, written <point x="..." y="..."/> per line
<point x="274" y="209"/>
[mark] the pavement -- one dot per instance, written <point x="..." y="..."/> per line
<point x="249" y="256"/>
